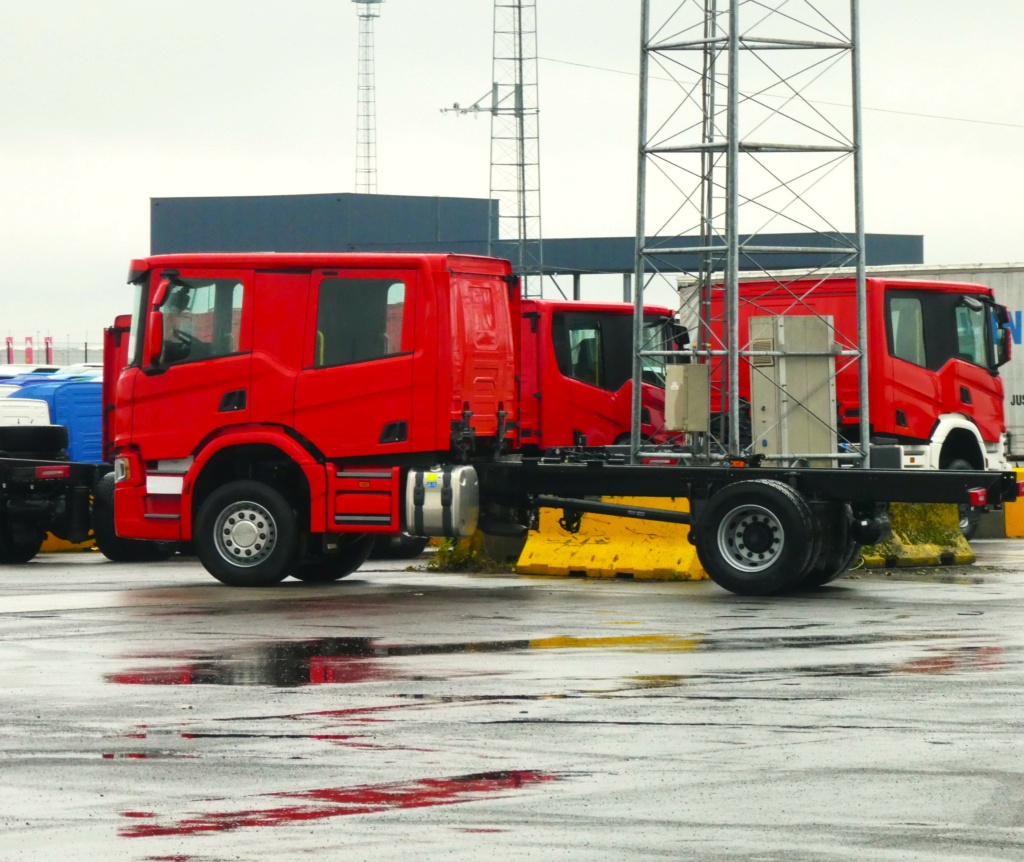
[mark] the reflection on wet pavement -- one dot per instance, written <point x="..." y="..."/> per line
<point x="362" y="660"/>
<point x="313" y="805"/>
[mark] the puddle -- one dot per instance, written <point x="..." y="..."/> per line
<point x="310" y="805"/>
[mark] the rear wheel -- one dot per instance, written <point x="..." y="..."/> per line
<point x="19" y="543"/>
<point x="970" y="517"/>
<point x="246" y="534"/>
<point x="838" y="548"/>
<point x="757" y="537"/>
<point x="339" y="564"/>
<point x="398" y="547"/>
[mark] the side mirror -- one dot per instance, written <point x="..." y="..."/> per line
<point x="681" y="341"/>
<point x="154" y="337"/>
<point x="1002" y="335"/>
<point x="160" y="294"/>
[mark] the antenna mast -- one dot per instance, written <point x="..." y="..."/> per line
<point x="515" y="140"/>
<point x="366" y="112"/>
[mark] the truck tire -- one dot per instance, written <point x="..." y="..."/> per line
<point x="342" y="563"/>
<point x="757" y="537"/>
<point x="398" y="547"/>
<point x="111" y="545"/>
<point x="970" y="517"/>
<point x="48" y="442"/>
<point x="838" y="549"/>
<point x="246" y="534"/>
<point x="20" y="544"/>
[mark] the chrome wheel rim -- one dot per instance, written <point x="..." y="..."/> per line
<point x="245" y="534"/>
<point x="751" y="538"/>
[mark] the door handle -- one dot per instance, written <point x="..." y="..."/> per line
<point x="232" y="401"/>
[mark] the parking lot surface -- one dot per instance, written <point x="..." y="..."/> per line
<point x="150" y="713"/>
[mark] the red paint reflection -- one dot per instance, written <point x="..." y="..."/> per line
<point x="956" y="661"/>
<point x="341" y="802"/>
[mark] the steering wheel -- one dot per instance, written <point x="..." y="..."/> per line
<point x="186" y="339"/>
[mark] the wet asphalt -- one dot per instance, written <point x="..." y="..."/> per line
<point x="151" y="714"/>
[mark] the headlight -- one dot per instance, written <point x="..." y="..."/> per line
<point x="122" y="470"/>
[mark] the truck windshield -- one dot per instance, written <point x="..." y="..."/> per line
<point x="658" y="334"/>
<point x="138" y="318"/>
<point x="972" y="344"/>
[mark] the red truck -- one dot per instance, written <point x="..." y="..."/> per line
<point x="280" y="410"/>
<point x="935" y="349"/>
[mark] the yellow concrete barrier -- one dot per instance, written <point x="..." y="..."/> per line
<point x="51" y="545"/>
<point x="1014" y="513"/>
<point x="607" y="546"/>
<point x="922" y="535"/>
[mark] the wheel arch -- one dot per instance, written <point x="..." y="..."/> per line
<point x="960" y="440"/>
<point x="275" y="459"/>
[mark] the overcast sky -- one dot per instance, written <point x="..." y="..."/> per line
<point x="108" y="103"/>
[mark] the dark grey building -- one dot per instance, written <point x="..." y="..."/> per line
<point x="360" y="222"/>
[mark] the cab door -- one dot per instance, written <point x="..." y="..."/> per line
<point x="979" y="390"/>
<point x="586" y="404"/>
<point x="200" y="380"/>
<point x="354" y="394"/>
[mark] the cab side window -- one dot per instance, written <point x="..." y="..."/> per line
<point x="202" y="320"/>
<point x="907" y="326"/>
<point x="579" y="347"/>
<point x="358" y="319"/>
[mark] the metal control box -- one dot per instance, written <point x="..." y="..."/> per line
<point x="793" y="389"/>
<point x="688" y="398"/>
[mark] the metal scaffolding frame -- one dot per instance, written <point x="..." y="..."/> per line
<point x="749" y="124"/>
<point x="366" y="109"/>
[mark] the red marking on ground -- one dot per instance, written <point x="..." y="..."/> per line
<point x="341" y="802"/>
<point x="972" y="659"/>
<point x="137" y="814"/>
<point x="130" y="755"/>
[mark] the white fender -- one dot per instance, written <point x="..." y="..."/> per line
<point x="949" y="422"/>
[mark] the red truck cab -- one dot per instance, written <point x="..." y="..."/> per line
<point x="307" y="373"/>
<point x="577" y="373"/>
<point x="934" y="349"/>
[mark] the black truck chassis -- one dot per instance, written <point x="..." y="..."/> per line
<point x="757" y="530"/>
<point x="41" y="496"/>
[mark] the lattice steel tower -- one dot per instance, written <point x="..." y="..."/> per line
<point x="366" y="110"/>
<point x="515" y="139"/>
<point x="749" y="138"/>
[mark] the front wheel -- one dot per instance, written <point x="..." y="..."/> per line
<point x="757" y="537"/>
<point x="246" y="534"/>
